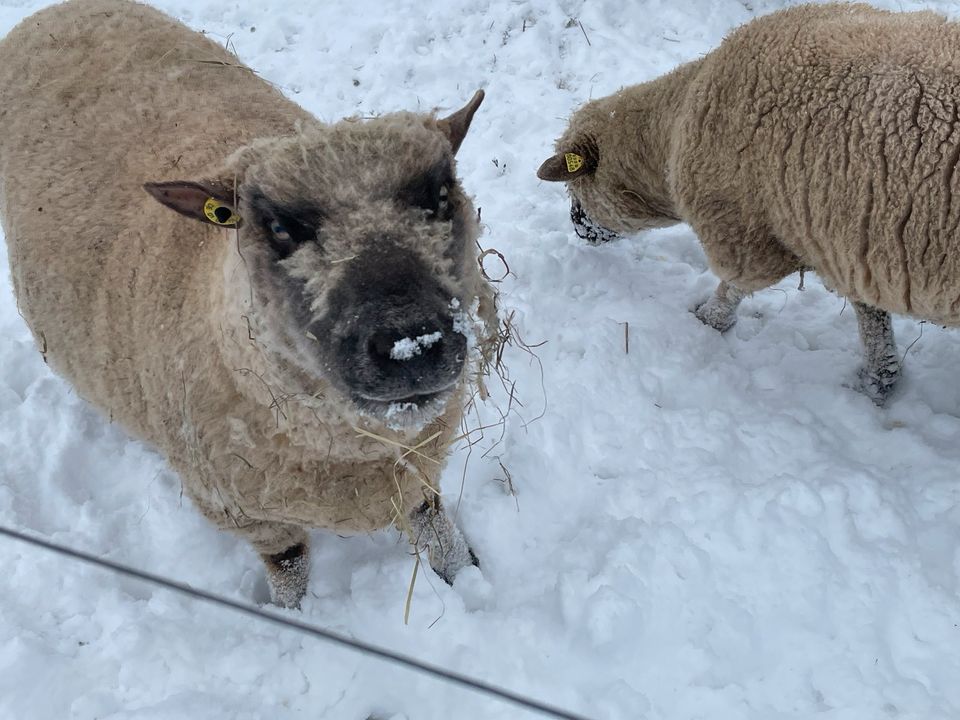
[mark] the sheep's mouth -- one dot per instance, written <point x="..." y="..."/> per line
<point x="411" y="412"/>
<point x="588" y="229"/>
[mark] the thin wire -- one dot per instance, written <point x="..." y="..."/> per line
<point x="358" y="645"/>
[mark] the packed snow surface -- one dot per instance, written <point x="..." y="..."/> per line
<point x="676" y="524"/>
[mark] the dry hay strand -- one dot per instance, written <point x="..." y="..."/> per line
<point x="500" y="335"/>
<point x="490" y="363"/>
<point x="403" y="523"/>
<point x="413" y="581"/>
<point x="400" y="518"/>
<point x="483" y="270"/>
<point x="409" y="449"/>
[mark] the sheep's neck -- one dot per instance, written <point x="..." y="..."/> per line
<point x="654" y="109"/>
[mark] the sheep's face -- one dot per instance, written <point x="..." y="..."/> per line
<point x="611" y="192"/>
<point x="359" y="242"/>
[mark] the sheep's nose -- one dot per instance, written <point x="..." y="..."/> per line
<point x="400" y="361"/>
<point x="417" y="359"/>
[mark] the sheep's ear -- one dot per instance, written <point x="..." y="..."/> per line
<point x="200" y="202"/>
<point x="455" y="126"/>
<point x="564" y="166"/>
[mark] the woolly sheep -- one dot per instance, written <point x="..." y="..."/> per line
<point x="820" y="137"/>
<point x="249" y="334"/>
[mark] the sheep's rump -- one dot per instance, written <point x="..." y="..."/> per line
<point x="97" y="97"/>
<point x="834" y="130"/>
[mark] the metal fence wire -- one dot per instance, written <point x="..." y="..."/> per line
<point x="406" y="661"/>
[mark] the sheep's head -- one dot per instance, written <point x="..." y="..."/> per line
<point x="613" y="189"/>
<point x="359" y="243"/>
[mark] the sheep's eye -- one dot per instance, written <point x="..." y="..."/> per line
<point x="279" y="232"/>
<point x="287" y="234"/>
<point x="443" y="205"/>
<point x="440" y="206"/>
<point x="284" y="228"/>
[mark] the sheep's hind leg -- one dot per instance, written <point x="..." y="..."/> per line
<point x="434" y="531"/>
<point x="720" y="311"/>
<point x="881" y="363"/>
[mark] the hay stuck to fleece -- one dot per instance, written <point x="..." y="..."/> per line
<point x="489" y="337"/>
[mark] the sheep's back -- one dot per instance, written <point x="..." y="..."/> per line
<point x="835" y="129"/>
<point x="96" y="98"/>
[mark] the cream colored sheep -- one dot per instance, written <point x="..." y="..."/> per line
<point x="821" y="136"/>
<point x="252" y="334"/>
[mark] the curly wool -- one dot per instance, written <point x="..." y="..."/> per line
<point x="142" y="309"/>
<point x="820" y="136"/>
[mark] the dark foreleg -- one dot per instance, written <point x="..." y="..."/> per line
<point x="285" y="553"/>
<point x="431" y="529"/>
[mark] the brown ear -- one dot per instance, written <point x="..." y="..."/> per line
<point x="195" y="200"/>
<point x="565" y="166"/>
<point x="455" y="126"/>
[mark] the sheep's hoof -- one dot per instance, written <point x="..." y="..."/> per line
<point x="713" y="314"/>
<point x="448" y="569"/>
<point x="877" y="385"/>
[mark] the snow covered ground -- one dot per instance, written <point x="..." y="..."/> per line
<point x="705" y="527"/>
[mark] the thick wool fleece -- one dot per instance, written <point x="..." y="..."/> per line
<point x="821" y="136"/>
<point x="145" y="311"/>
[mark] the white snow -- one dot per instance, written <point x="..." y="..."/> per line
<point x="408" y="348"/>
<point x="709" y="526"/>
<point x="404" y="349"/>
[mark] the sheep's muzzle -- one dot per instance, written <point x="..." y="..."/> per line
<point x="405" y="373"/>
<point x="586" y="228"/>
<point x="397" y="353"/>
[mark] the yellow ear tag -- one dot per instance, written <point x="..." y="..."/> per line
<point x="220" y="214"/>
<point x="574" y="162"/>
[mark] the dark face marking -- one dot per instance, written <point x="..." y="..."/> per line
<point x="430" y="192"/>
<point x="286" y="227"/>
<point x="355" y="262"/>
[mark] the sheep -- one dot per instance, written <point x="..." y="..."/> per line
<point x="821" y="137"/>
<point x="242" y="314"/>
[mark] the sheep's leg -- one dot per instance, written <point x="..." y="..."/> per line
<point x="433" y="530"/>
<point x="881" y="363"/>
<point x="720" y="311"/>
<point x="746" y="258"/>
<point x="287" y="575"/>
<point x="285" y="553"/>
<point x="282" y="547"/>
